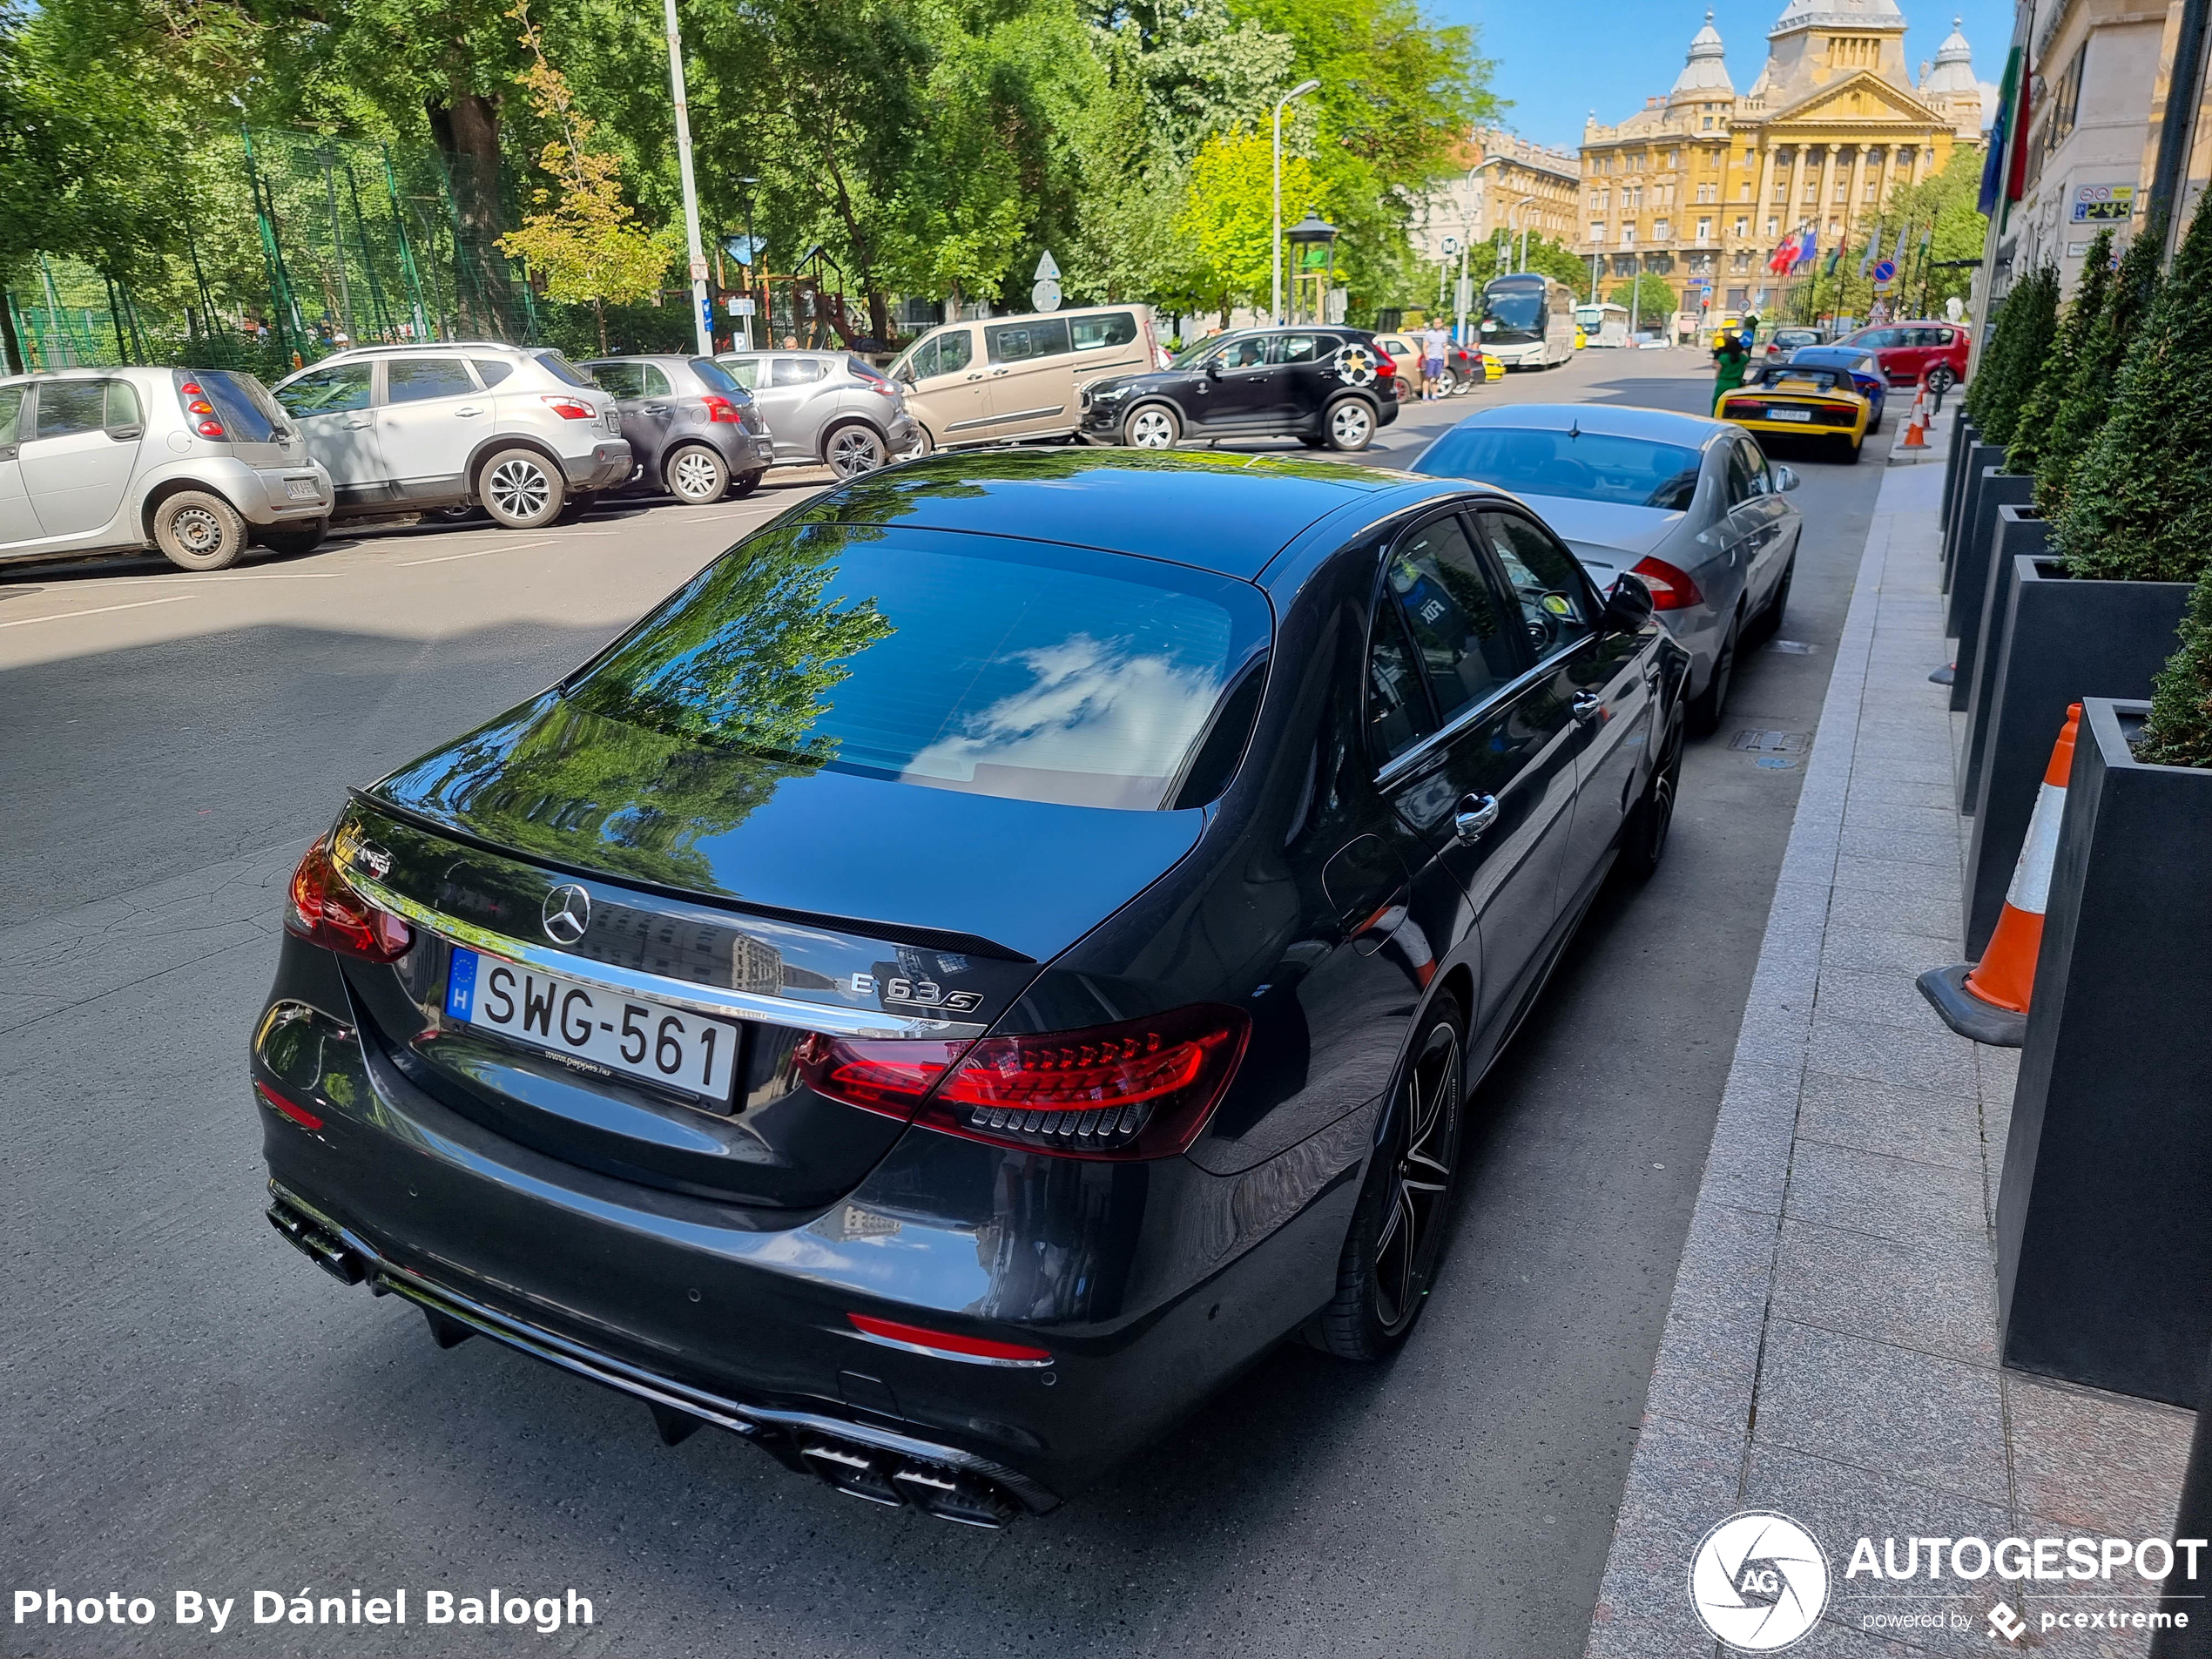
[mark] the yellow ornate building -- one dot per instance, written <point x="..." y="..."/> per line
<point x="1699" y="186"/>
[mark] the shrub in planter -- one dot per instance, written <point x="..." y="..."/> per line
<point x="2179" y="733"/>
<point x="2055" y="375"/>
<point x="2087" y="400"/>
<point x="2015" y="354"/>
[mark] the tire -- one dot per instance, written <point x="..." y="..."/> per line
<point x="1312" y="443"/>
<point x="1851" y="447"/>
<point x="1397" y="1235"/>
<point x="578" y="505"/>
<point x="290" y="541"/>
<point x="1643" y="843"/>
<point x="1778" y="606"/>
<point x="1448" y="384"/>
<point x="196" y="530"/>
<point x="696" y="476"/>
<point x="1707" y="707"/>
<point x="458" y="513"/>
<point x="853" y="449"/>
<point x="1351" y="425"/>
<point x="1151" y="425"/>
<point x="1941" y="379"/>
<point x="924" y="444"/>
<point x="745" y="483"/>
<point x="521" y="488"/>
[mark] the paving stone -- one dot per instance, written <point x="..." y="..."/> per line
<point x="1884" y="818"/>
<point x="1855" y="872"/>
<point x="1872" y="999"/>
<point x="1923" y="848"/>
<point x="1706" y="1369"/>
<point x="1931" y="908"/>
<point x="1727" y="1262"/>
<point x="1683" y="1480"/>
<point x="1935" y="1422"/>
<point x="1884" y="951"/>
<point x="1937" y="1296"/>
<point x="1920" y="1125"/>
<point x="2095" y="1461"/>
<point x="1887" y="1197"/>
<point x="1834" y="1640"/>
<point x="1879" y="785"/>
<point x="1930" y="1057"/>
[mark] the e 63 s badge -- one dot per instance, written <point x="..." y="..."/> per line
<point x="921" y="993"/>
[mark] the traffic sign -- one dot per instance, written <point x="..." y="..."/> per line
<point x="1047" y="271"/>
<point x="1044" y="294"/>
<point x="1884" y="270"/>
<point x="698" y="270"/>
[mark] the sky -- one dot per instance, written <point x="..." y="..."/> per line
<point x="1558" y="59"/>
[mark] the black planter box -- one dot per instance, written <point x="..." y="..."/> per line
<point x="2104" y="1221"/>
<point x="2062" y="641"/>
<point x="1954" y="464"/>
<point x="1969" y="569"/>
<point x="1981" y="460"/>
<point x="2021" y="533"/>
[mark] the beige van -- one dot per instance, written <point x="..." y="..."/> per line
<point x="1006" y="379"/>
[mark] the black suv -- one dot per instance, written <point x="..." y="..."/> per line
<point x="1323" y="386"/>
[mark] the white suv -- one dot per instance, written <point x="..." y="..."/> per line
<point x="518" y="430"/>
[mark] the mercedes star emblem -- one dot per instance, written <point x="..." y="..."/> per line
<point x="568" y="913"/>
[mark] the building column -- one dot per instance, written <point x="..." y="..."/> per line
<point x="1858" y="188"/>
<point x="1760" y="206"/>
<point x="1889" y="177"/>
<point x="1794" y="209"/>
<point x="1920" y="154"/>
<point x="1827" y="188"/>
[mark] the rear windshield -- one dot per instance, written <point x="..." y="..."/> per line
<point x="1588" y="466"/>
<point x="715" y="378"/>
<point x="561" y="369"/>
<point x="954" y="662"/>
<point x="241" y="402"/>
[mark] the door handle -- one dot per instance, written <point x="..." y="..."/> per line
<point x="1474" y="814"/>
<point x="356" y="426"/>
<point x="468" y="409"/>
<point x="1587" y="707"/>
<point x="977" y="375"/>
<point x="996" y="373"/>
<point x="650" y="409"/>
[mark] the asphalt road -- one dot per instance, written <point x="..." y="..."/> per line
<point x="185" y="1405"/>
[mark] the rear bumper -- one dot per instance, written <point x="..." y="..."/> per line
<point x="609" y="464"/>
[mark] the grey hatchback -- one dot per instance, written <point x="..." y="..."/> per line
<point x="693" y="429"/>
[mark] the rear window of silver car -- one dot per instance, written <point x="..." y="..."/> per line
<point x="561" y="369"/>
<point x="242" y="403"/>
<point x="945" y="660"/>
<point x="1583" y="466"/>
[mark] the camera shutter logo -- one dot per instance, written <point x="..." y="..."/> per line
<point x="567" y="913"/>
<point x="1758" y="1582"/>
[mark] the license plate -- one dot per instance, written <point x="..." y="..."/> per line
<point x="302" y="489"/>
<point x="634" y="1036"/>
<point x="1789" y="415"/>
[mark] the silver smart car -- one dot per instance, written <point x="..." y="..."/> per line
<point x="197" y="463"/>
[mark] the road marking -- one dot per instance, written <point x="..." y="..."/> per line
<point x="65" y="616"/>
<point x="478" y="553"/>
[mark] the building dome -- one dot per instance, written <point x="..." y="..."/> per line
<point x="1704" y="75"/>
<point x="1954" y="66"/>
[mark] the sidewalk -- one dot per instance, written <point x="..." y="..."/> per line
<point x="1830" y="1352"/>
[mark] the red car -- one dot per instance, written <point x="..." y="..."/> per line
<point x="1908" y="349"/>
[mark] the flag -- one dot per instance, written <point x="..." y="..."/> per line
<point x="1808" y="249"/>
<point x="1834" y="253"/>
<point x="1873" y="242"/>
<point x="2000" y="131"/>
<point x="2016" y="178"/>
<point x="1896" y="254"/>
<point x="1784" y="252"/>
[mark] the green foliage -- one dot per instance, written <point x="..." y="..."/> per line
<point x="1228" y="215"/>
<point x="2055" y="375"/>
<point x="2087" y="399"/>
<point x="2179" y="732"/>
<point x="2019" y="340"/>
<point x="1558" y="260"/>
<point x="2141" y="506"/>
<point x="1651" y="301"/>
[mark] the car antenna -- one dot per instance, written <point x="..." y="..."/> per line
<point x="1574" y="425"/>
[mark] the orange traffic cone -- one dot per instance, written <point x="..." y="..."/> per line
<point x="1988" y="1001"/>
<point x="1916" y="429"/>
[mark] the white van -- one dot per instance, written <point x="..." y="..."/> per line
<point x="1006" y="379"/>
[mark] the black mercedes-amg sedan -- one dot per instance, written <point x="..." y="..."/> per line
<point x="1004" y="945"/>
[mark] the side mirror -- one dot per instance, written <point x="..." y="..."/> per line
<point x="1627" y="606"/>
<point x="1785" y="478"/>
<point x="1213" y="368"/>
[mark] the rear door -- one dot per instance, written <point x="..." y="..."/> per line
<point x="946" y="391"/>
<point x="432" y="415"/>
<point x="645" y="417"/>
<point x="793" y="403"/>
<point x="1031" y="376"/>
<point x="18" y="523"/>
<point x="332" y="409"/>
<point x="1106" y="343"/>
<point x="83" y="447"/>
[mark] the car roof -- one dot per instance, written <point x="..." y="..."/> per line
<point x="1608" y="420"/>
<point x="1816" y="354"/>
<point x="1228" y="513"/>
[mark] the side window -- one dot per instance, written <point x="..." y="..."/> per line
<point x="656" y="382"/>
<point x="1944" y="336"/>
<point x="1746" y="478"/>
<point x="11" y="401"/>
<point x="68" y="408"/>
<point x="795" y="371"/>
<point x="744" y="370"/>
<point x="1298" y="348"/>
<point x="490" y="370"/>
<point x="1545" y="578"/>
<point x="923" y="363"/>
<point x="1244" y="353"/>
<point x="956" y="351"/>
<point x="1096" y="334"/>
<point x="1467" y="651"/>
<point x="1398" y="716"/>
<point x="123" y="411"/>
<point x="622" y="380"/>
<point x="413" y="379"/>
<point x="1023" y="342"/>
<point x="327" y="391"/>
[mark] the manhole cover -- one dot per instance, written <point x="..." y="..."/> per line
<point x="1792" y="647"/>
<point x="1771" y="743"/>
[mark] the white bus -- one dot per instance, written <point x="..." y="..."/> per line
<point x="1604" y="324"/>
<point x="1527" y="320"/>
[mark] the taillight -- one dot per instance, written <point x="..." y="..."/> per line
<point x="1140" y="1089"/>
<point x="878" y="384"/>
<point x="291" y="1110"/>
<point x="1672" y="589"/>
<point x="569" y="408"/>
<point x="948" y="1345"/>
<point x="1742" y="409"/>
<point x="324" y="911"/>
<point x="199" y="410"/>
<point x="720" y="408"/>
<point x="209" y="429"/>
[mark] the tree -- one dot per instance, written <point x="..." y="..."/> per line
<point x="585" y="239"/>
<point x="1557" y="260"/>
<point x="2141" y="505"/>
<point x="2015" y="354"/>
<point x="2179" y="732"/>
<point x="1228" y="217"/>
<point x="2087" y="399"/>
<point x="2032" y="433"/>
<point x="1648" y="297"/>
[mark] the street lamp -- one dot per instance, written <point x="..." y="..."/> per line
<point x="1466" y="236"/>
<point x="702" y="325"/>
<point x="1275" y="315"/>
<point x="1513" y="213"/>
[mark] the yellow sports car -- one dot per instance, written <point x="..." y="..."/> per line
<point x="1800" y="401"/>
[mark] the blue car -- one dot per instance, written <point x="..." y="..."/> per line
<point x="1866" y="369"/>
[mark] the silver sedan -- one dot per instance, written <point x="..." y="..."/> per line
<point x="1692" y="506"/>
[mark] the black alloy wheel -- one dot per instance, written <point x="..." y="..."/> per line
<point x="1644" y="844"/>
<point x="1397" y="1234"/>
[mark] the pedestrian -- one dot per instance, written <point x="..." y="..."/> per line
<point x="1730" y="355"/>
<point x="790" y="342"/>
<point x="1433" y="342"/>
